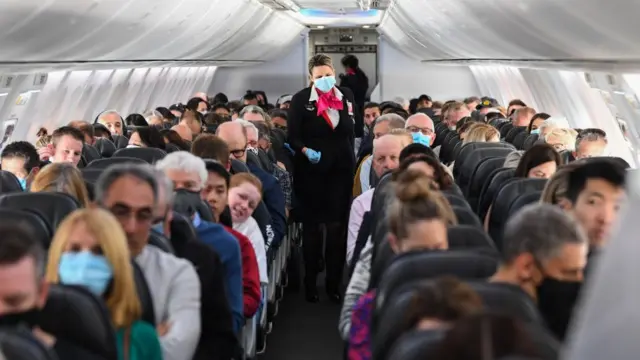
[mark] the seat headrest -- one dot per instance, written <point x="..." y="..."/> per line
<point x="90" y="153"/>
<point x="182" y="230"/>
<point x="188" y="203"/>
<point x="171" y="148"/>
<point x="416" y="345"/>
<point x="53" y="207"/>
<point x="148" y="154"/>
<point x="30" y="220"/>
<point x="105" y="147"/>
<point x="455" y="200"/>
<point x="467" y="237"/>
<point x="238" y="166"/>
<point x="20" y="344"/>
<point x="466" y="217"/>
<point x="120" y="141"/>
<point x="161" y="242"/>
<point x="9" y="183"/>
<point x="75" y="314"/>
<point x="508" y="299"/>
<point x="105" y="163"/>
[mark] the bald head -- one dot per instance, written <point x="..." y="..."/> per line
<point x="184" y="131"/>
<point x="386" y="153"/>
<point x="233" y="133"/>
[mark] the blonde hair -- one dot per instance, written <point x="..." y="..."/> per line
<point x="405" y="136"/>
<point x="481" y="132"/>
<point x="122" y="299"/>
<point x="61" y="177"/>
<point x="566" y="136"/>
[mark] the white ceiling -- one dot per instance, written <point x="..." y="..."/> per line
<point x="332" y="12"/>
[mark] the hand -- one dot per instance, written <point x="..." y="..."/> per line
<point x="163" y="328"/>
<point x="47" y="339"/>
<point x="46" y="152"/>
<point x="313" y="156"/>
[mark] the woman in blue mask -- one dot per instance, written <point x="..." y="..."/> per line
<point x="322" y="124"/>
<point x="90" y="249"/>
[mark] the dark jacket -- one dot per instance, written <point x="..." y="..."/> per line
<point x="358" y="83"/>
<point x="323" y="190"/>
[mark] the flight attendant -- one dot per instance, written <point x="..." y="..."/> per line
<point x="321" y="133"/>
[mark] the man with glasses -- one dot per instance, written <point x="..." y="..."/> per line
<point x="130" y="192"/>
<point x="421" y="127"/>
<point x="590" y="143"/>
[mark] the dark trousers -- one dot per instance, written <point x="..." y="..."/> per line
<point x="335" y="247"/>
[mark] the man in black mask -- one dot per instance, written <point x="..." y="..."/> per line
<point x="24" y="291"/>
<point x="545" y="253"/>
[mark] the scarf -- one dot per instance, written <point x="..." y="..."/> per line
<point x="327" y="101"/>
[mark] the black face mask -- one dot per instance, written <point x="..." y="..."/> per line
<point x="556" y="300"/>
<point x="29" y="318"/>
<point x="186" y="202"/>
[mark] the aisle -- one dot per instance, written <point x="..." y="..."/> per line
<point x="304" y="331"/>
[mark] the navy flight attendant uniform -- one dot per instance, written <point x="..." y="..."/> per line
<point x="323" y="190"/>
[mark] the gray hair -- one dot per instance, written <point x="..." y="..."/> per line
<point x="541" y="230"/>
<point x="109" y="112"/>
<point x="248" y="125"/>
<point x="556" y="122"/>
<point x="114" y="172"/>
<point x="590" y="136"/>
<point x="253" y="109"/>
<point x="395" y="120"/>
<point x="150" y="114"/>
<point x="184" y="161"/>
<point x="400" y="100"/>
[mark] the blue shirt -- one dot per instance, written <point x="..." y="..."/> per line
<point x="228" y="249"/>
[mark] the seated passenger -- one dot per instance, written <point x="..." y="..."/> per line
<point x="24" y="290"/>
<point x="522" y="116"/>
<point x="590" y="143"/>
<point x="90" y="249"/>
<point x="555" y="190"/>
<point x="215" y="193"/>
<point x="87" y="129"/>
<point x="62" y="177"/>
<point x="544" y="254"/>
<point x="184" y="131"/>
<point x="245" y="193"/>
<point x="418" y="219"/>
<point x="540" y="162"/>
<point x="386" y="152"/>
<point x="135" y="119"/>
<point x="154" y="118"/>
<point x="536" y="122"/>
<point x="480" y="132"/>
<point x="66" y="146"/>
<point x="147" y="136"/>
<point x="172" y="137"/>
<point x="552" y="123"/>
<point x="440" y="179"/>
<point x="594" y="194"/>
<point x="514" y="106"/>
<point x="130" y="192"/>
<point x="561" y="139"/>
<point x="421" y="126"/>
<point x="189" y="173"/>
<point x="21" y="159"/>
<point x="371" y="113"/>
<point x="112" y="120"/>
<point x="253" y="113"/>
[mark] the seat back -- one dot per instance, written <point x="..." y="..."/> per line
<point x="503" y="200"/>
<point x="148" y="154"/>
<point x="515" y="131"/>
<point x="75" y="314"/>
<point x="468" y="168"/>
<point x="20" y="344"/>
<point x="238" y="166"/>
<point x="144" y="294"/>
<point x="9" y="183"/>
<point x="504" y="130"/>
<point x="120" y="141"/>
<point x="482" y="172"/>
<point x="53" y="207"/>
<point x="102" y="164"/>
<point x="160" y="242"/>
<point x="90" y="153"/>
<point x="171" y="148"/>
<point x="468" y="148"/>
<point x="414" y="345"/>
<point x="518" y="141"/>
<point x="466" y="216"/>
<point x="105" y="147"/>
<point x="490" y="188"/>
<point x="30" y="220"/>
<point x="447" y="150"/>
<point x="530" y="141"/>
<point x="467" y="237"/>
<point x="456" y="200"/>
<point x="523" y="200"/>
<point x="509" y="300"/>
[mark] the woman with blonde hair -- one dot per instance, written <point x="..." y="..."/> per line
<point x="61" y="177"/>
<point x="90" y="249"/>
<point x="481" y="132"/>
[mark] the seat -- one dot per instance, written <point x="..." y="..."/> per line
<point x="105" y="147"/>
<point x="30" y="220"/>
<point x="20" y="344"/>
<point x="519" y="140"/>
<point x="482" y="172"/>
<point x="102" y="164"/>
<point x="490" y="188"/>
<point x="144" y="294"/>
<point x="160" y="242"/>
<point x="52" y="207"/>
<point x="467" y="237"/>
<point x="466" y="216"/>
<point x="456" y="150"/>
<point x="171" y="148"/>
<point x="91" y="174"/>
<point x="75" y="314"/>
<point x="523" y="200"/>
<point x="473" y="160"/>
<point x="469" y="148"/>
<point x="566" y="156"/>
<point x="456" y="200"/>
<point x="238" y="166"/>
<point x="509" y="300"/>
<point x="441" y="133"/>
<point x="120" y="141"/>
<point x="515" y="131"/>
<point x="530" y="141"/>
<point x="414" y="345"/>
<point x="446" y="149"/>
<point x="148" y="154"/>
<point x="90" y="153"/>
<point x="504" y="130"/>
<point x="503" y="201"/>
<point x="9" y="183"/>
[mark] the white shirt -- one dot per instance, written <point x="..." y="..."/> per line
<point x="251" y="230"/>
<point x="360" y="205"/>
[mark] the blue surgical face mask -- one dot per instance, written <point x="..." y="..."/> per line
<point x="23" y="183"/>
<point x="420" y="138"/>
<point x="535" y="131"/>
<point x="159" y="228"/>
<point x="86" y="269"/>
<point x="325" y="84"/>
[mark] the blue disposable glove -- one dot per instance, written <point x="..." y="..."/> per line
<point x="313" y="156"/>
<point x="288" y="147"/>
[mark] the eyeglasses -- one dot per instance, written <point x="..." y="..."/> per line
<point x="425" y="131"/>
<point x="238" y="153"/>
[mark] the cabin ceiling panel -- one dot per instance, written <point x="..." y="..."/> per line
<point x="46" y="32"/>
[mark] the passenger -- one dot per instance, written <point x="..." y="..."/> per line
<point x="147" y="136"/>
<point x="136" y="120"/>
<point x="215" y="193"/>
<point x="536" y="122"/>
<point x="220" y="98"/>
<point x="355" y="80"/>
<point x="250" y="98"/>
<point x="424" y="102"/>
<point x="594" y="194"/>
<point x="413" y="150"/>
<point x="371" y="114"/>
<point x="439" y="303"/>
<point x="440" y="179"/>
<point x="44" y="138"/>
<point x="386" y="153"/>
<point x="172" y="137"/>
<point x="234" y="135"/>
<point x="253" y="113"/>
<point x="22" y="160"/>
<point x="541" y="162"/>
<point x="189" y="174"/>
<point x="555" y="190"/>
<point x="590" y="143"/>
<point x="90" y="249"/>
<point x="62" y="177"/>
<point x="154" y="118"/>
<point x="480" y="132"/>
<point x="284" y="102"/>
<point x="545" y="253"/>
<point x="112" y="120"/>
<point x="552" y="123"/>
<point x="418" y="219"/>
<point x="218" y="338"/>
<point x="167" y="116"/>
<point x="201" y="95"/>
<point x="279" y="118"/>
<point x="101" y="132"/>
<point x="222" y="109"/>
<point x="514" y="105"/>
<point x="472" y="102"/>
<point x="245" y="193"/>
<point x="199" y="104"/>
<point x="486" y="105"/>
<point x="24" y="290"/>
<point x="184" y="131"/>
<point x="176" y="110"/>
<point x="437" y="108"/>
<point x="561" y="139"/>
<point x="455" y="112"/>
<point x="421" y="127"/>
<point x="475" y="336"/>
<point x="87" y="129"/>
<point x="130" y="192"/>
<point x="235" y="107"/>
<point x="66" y="146"/>
<point x="522" y="116"/>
